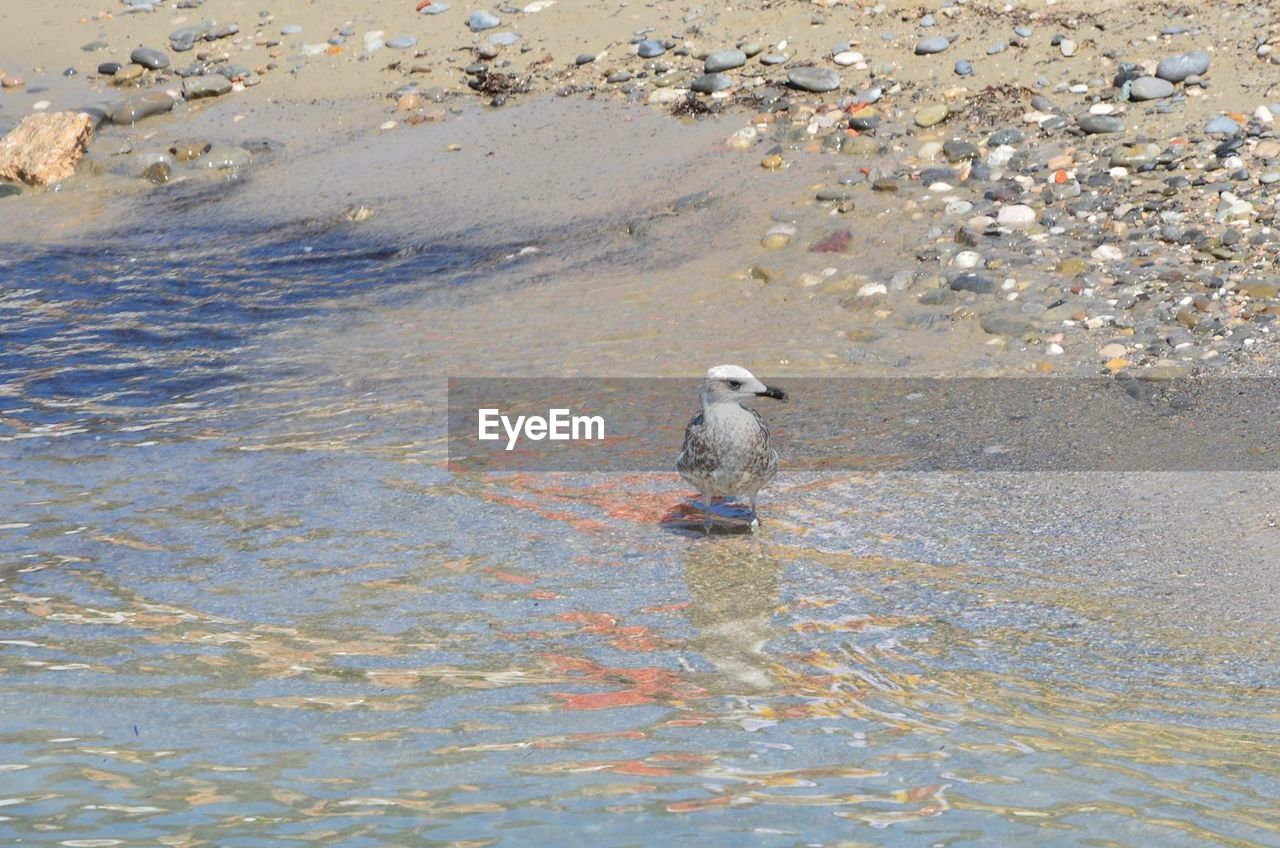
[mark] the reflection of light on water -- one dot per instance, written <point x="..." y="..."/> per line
<point x="279" y="618"/>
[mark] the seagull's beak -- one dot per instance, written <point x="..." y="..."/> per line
<point x="773" y="392"/>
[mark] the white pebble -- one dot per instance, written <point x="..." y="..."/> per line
<point x="1107" y="253"/>
<point x="967" y="259"/>
<point x="847" y="57"/>
<point x="872" y="289"/>
<point x="41" y="105"/>
<point x="1055" y="349"/>
<point x="1016" y="216"/>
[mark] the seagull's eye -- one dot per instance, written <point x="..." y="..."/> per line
<point x="735" y="385"/>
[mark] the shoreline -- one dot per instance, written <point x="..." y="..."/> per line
<point x="915" y="219"/>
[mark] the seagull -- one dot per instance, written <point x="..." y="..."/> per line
<point x="726" y="449"/>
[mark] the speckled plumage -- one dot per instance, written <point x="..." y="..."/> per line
<point x="727" y="451"/>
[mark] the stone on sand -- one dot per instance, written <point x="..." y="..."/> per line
<point x="45" y="148"/>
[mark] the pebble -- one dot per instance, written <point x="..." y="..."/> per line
<point x="927" y="116"/>
<point x="128" y="73"/>
<point x="1221" y="125"/>
<point x="1095" y="124"/>
<point x="1149" y="88"/>
<point x="1068" y="47"/>
<point x="12" y="82"/>
<point x="148" y="57"/>
<point x="1267" y="149"/>
<point x="847" y="57"/>
<point x="213" y="85"/>
<point x="504" y="39"/>
<point x="181" y="40"/>
<point x="1008" y="135"/>
<point x="773" y="58"/>
<point x="975" y="283"/>
<point x="809" y="78"/>
<point x="109" y="68"/>
<point x="481" y="20"/>
<point x="743" y="139"/>
<point x="157" y="173"/>
<point x="1113" y="350"/>
<point x="649" y="48"/>
<point x="772" y="162"/>
<point x="401" y="42"/>
<point x="1107" y="253"/>
<point x="221" y="157"/>
<point x="936" y="44"/>
<point x="711" y="83"/>
<point x="1178" y="68"/>
<point x="964" y="68"/>
<point x="778" y="236"/>
<point x="139" y="106"/>
<point x="724" y="60"/>
<point x="435" y="8"/>
<point x="189" y="151"/>
<point x="290" y="29"/>
<point x="1134" y="155"/>
<point x="1016" y="216"/>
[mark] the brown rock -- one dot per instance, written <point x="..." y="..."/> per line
<point x="13" y="82"/>
<point x="45" y="148"/>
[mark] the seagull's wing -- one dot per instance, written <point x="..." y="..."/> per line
<point x="765" y="447"/>
<point x="694" y="450"/>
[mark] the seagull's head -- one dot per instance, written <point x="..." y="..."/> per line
<point x="734" y="384"/>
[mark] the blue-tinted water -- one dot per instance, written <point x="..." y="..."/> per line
<point x="243" y="602"/>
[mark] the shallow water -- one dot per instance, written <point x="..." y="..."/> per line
<point x="243" y="601"/>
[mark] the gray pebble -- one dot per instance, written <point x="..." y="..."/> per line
<point x="435" y="9"/>
<point x="1094" y="124"/>
<point x="710" y="83"/>
<point x="1221" y="125"/>
<point x="964" y="68"/>
<point x="724" y="60"/>
<point x="772" y="59"/>
<point x="972" y="283"/>
<point x="1008" y="135"/>
<point x="998" y="47"/>
<point x="290" y="29"/>
<point x="649" y="48"/>
<point x="482" y="19"/>
<point x="214" y="85"/>
<point x="505" y="39"/>
<point x="809" y="78"/>
<point x="1149" y="88"/>
<point x="1178" y="68"/>
<point x="936" y="44"/>
<point x="401" y="42"/>
<point x="149" y="57"/>
<point x="139" y="106"/>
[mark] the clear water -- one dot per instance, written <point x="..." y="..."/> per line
<point x="242" y="602"/>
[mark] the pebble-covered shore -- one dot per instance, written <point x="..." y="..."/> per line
<point x="1089" y="185"/>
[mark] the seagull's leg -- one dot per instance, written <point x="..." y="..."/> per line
<point x="706" y="513"/>
<point x="755" y="518"/>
